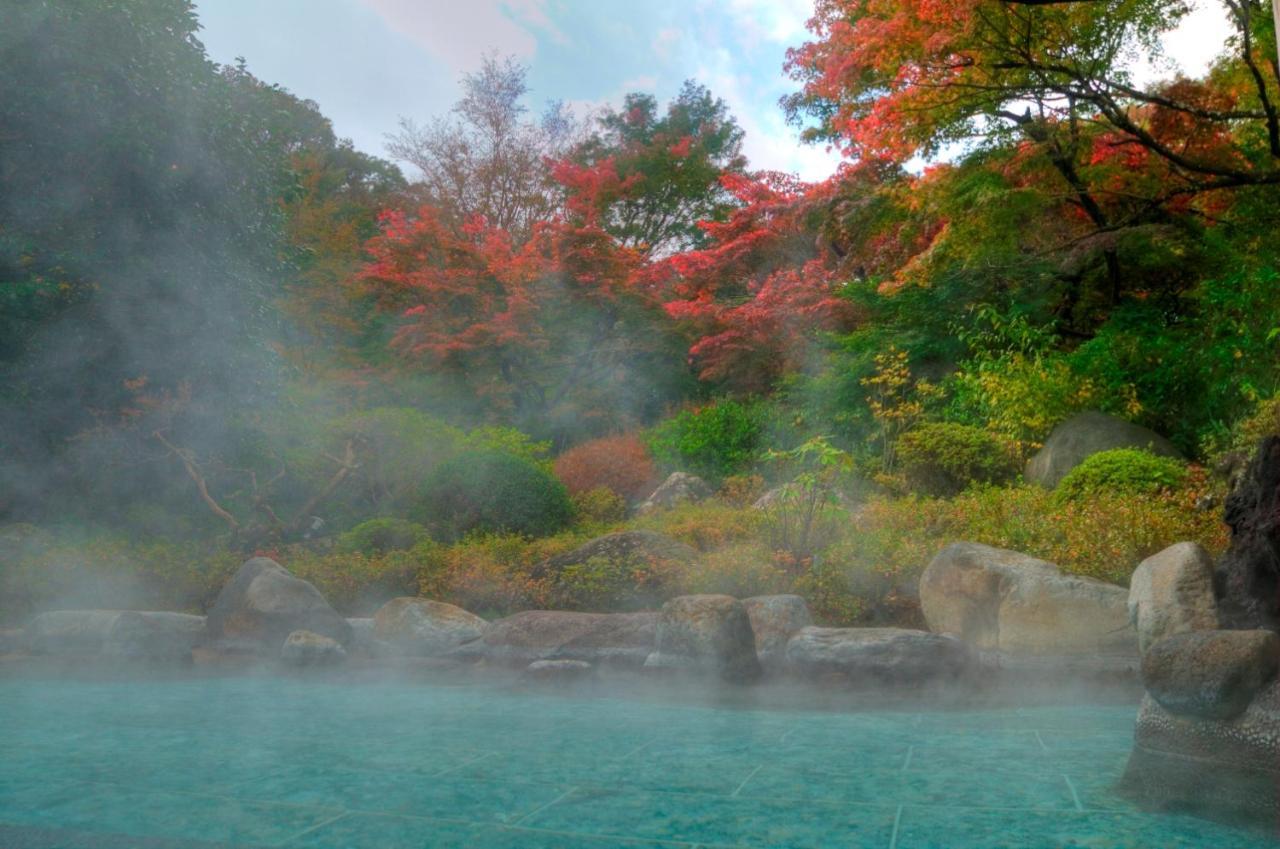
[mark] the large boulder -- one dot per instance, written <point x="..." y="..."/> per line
<point x="363" y="642"/>
<point x="154" y="635"/>
<point x="1222" y="768"/>
<point x="558" y="672"/>
<point x="878" y="655"/>
<point x="677" y="488"/>
<point x="1088" y="433"/>
<point x="262" y="604"/>
<point x="602" y="639"/>
<point x="1210" y="674"/>
<point x="1171" y="592"/>
<point x="1248" y="575"/>
<point x="1004" y="601"/>
<point x="121" y="634"/>
<point x="421" y="627"/>
<point x="775" y="619"/>
<point x="305" y="648"/>
<point x="69" y="632"/>
<point x="706" y="633"/>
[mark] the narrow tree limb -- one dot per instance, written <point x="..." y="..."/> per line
<point x="349" y="465"/>
<point x="194" y="473"/>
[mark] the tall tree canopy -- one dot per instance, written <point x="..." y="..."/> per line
<point x="670" y="167"/>
<point x="488" y="158"/>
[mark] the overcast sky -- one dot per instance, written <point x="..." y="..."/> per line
<point x="368" y="62"/>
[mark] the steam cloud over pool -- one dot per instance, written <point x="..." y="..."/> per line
<point x="307" y="763"/>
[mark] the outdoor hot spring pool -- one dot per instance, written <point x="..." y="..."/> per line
<point x="308" y="763"/>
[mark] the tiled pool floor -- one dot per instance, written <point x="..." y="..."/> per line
<point x="255" y="762"/>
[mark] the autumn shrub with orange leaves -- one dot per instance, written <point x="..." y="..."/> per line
<point x="620" y="463"/>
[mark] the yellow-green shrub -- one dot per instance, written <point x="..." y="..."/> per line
<point x="740" y="569"/>
<point x="41" y="571"/>
<point x="705" y="525"/>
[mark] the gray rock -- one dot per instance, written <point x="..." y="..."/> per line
<point x="1088" y="433"/>
<point x="602" y="639"/>
<point x="1210" y="674"/>
<point x="1005" y="601"/>
<point x="878" y="655"/>
<point x="264" y="603"/>
<point x="120" y="634"/>
<point x="306" y="648"/>
<point x="1222" y="768"/>
<point x="788" y="491"/>
<point x="774" y="620"/>
<point x="1171" y="592"/>
<point x="154" y="635"/>
<point x="706" y="633"/>
<point x="624" y="547"/>
<point x="425" y="628"/>
<point x="558" y="672"/>
<point x="364" y="643"/>
<point x="677" y="488"/>
<point x="69" y="632"/>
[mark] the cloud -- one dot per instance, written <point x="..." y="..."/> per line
<point x="461" y="33"/>
<point x="770" y="143"/>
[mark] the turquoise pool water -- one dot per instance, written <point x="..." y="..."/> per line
<point x="298" y="763"/>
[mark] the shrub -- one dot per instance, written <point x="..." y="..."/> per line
<point x="715" y="441"/>
<point x="495" y="492"/>
<point x="509" y="440"/>
<point x="802" y="516"/>
<point x="597" y="507"/>
<point x="357" y="583"/>
<point x="1121" y="470"/>
<point x="740" y="569"/>
<point x="397" y="448"/>
<point x="378" y="536"/>
<point x="742" y="490"/>
<point x="604" y="583"/>
<point x="619" y="463"/>
<point x="705" y="525"/>
<point x="492" y="574"/>
<point x="945" y="458"/>
<point x="40" y="571"/>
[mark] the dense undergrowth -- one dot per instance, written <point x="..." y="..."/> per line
<point x="225" y="331"/>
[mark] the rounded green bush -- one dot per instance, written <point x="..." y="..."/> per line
<point x="485" y="490"/>
<point x="1121" y="470"/>
<point x="378" y="536"/>
<point x="715" y="441"/>
<point x="945" y="458"/>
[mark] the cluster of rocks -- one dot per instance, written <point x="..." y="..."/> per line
<point x="1208" y="731"/>
<point x="981" y="603"/>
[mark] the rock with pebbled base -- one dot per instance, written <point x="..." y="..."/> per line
<point x="706" y="633"/>
<point x="121" y="634"/>
<point x="1086" y="434"/>
<point x="306" y="648"/>
<point x="1011" y="603"/>
<point x="264" y="603"/>
<point x="425" y="628"/>
<point x="602" y="639"/>
<point x="1171" y="592"/>
<point x="878" y="655"/>
<point x="1210" y="674"/>
<point x="678" y="488"/>
<point x="775" y="619"/>
<point x="1219" y="768"/>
